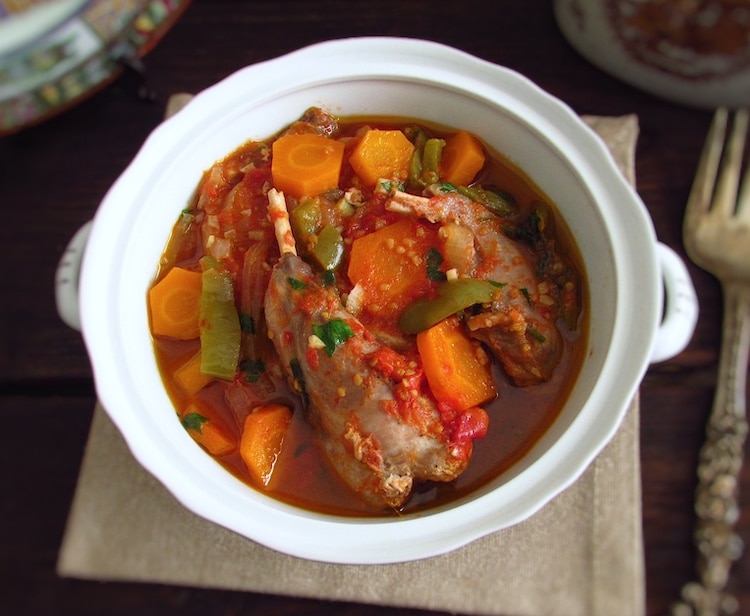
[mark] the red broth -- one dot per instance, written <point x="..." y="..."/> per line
<point x="518" y="416"/>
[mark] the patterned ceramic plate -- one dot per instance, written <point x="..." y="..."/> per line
<point x="54" y="53"/>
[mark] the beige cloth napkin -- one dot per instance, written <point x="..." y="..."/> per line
<point x="581" y="554"/>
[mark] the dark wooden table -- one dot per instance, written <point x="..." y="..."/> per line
<point x="53" y="176"/>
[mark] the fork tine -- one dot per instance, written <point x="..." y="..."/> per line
<point x="725" y="199"/>
<point x="699" y="200"/>
<point x="743" y="199"/>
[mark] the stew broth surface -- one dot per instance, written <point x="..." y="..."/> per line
<point x="518" y="416"/>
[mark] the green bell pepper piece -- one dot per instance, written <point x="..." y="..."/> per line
<point x="423" y="168"/>
<point x="452" y="297"/>
<point x="305" y="220"/>
<point x="433" y="150"/>
<point x="328" y="250"/>
<point x="220" y="330"/>
<point x="497" y="200"/>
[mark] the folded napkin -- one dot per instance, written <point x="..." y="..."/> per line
<point x="580" y="554"/>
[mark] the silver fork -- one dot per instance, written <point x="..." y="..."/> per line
<point x="716" y="233"/>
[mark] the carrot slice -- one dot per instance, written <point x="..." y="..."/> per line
<point x="382" y="154"/>
<point x="306" y="164"/>
<point x="462" y="158"/>
<point x="456" y="367"/>
<point x="262" y="440"/>
<point x="189" y="376"/>
<point x="207" y="431"/>
<point x="389" y="265"/>
<point x="175" y="304"/>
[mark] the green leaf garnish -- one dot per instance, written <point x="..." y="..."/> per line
<point x="539" y="337"/>
<point x="298" y="377"/>
<point x="252" y="368"/>
<point x="193" y="421"/>
<point x="434" y="261"/>
<point x="296" y="284"/>
<point x="247" y="323"/>
<point x="333" y="333"/>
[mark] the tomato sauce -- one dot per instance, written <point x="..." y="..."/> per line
<point x="230" y="203"/>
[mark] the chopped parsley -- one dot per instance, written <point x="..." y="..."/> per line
<point x="434" y="261"/>
<point x="333" y="333"/>
<point x="252" y="368"/>
<point x="247" y="323"/>
<point x="193" y="421"/>
<point x="298" y="378"/>
<point x="539" y="337"/>
<point x="301" y="449"/>
<point x="529" y="231"/>
<point x="388" y="186"/>
<point x="296" y="284"/>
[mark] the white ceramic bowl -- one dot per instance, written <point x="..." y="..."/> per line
<point x="378" y="76"/>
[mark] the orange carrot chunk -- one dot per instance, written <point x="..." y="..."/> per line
<point x="174" y="302"/>
<point x="389" y="266"/>
<point x="189" y="376"/>
<point x="382" y="154"/>
<point x="456" y="368"/>
<point x="208" y="432"/>
<point x="262" y="440"/>
<point x="306" y="164"/>
<point x="462" y="158"/>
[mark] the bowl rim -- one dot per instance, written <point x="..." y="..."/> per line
<point x="418" y="535"/>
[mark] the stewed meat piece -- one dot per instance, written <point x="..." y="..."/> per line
<point x="378" y="428"/>
<point x="519" y="326"/>
<point x="315" y="121"/>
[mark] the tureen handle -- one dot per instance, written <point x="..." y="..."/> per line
<point x="66" y="278"/>
<point x="680" y="306"/>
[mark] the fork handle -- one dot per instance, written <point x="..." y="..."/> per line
<point x="720" y="462"/>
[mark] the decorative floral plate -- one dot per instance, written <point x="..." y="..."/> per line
<point x="54" y="53"/>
